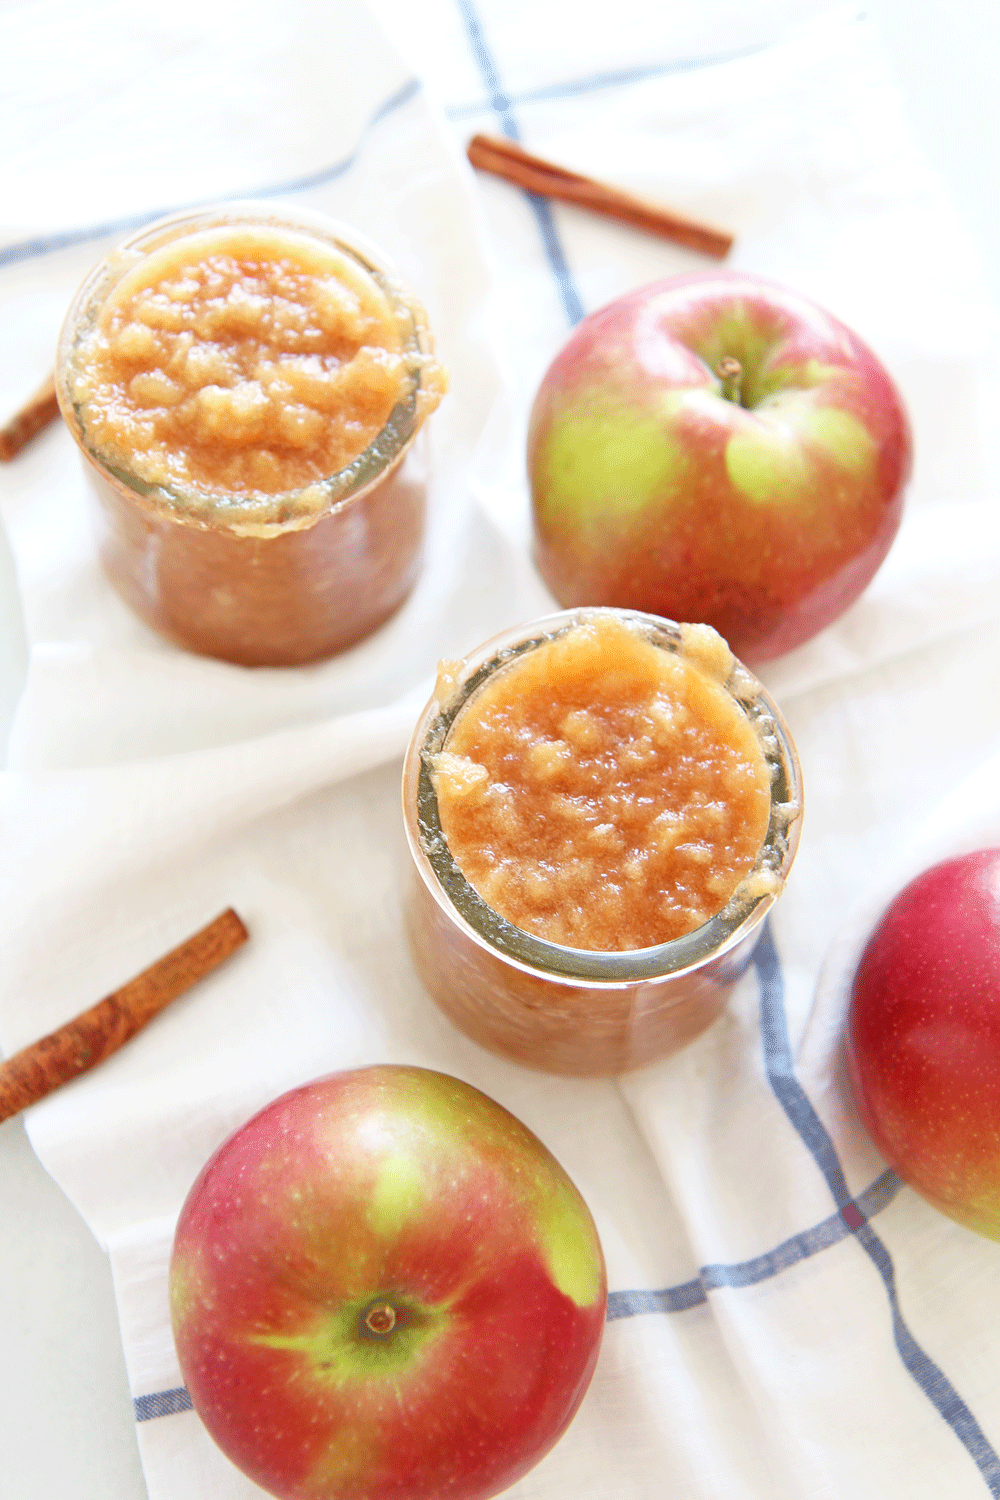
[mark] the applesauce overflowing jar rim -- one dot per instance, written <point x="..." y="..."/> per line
<point x="746" y="907"/>
<point x="256" y="513"/>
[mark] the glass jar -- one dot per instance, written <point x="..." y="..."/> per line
<point x="274" y="579"/>
<point x="568" y="1010"/>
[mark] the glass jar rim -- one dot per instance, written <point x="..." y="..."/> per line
<point x="258" y="513"/>
<point x="744" y="910"/>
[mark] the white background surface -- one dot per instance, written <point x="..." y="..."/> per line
<point x="66" y="1422"/>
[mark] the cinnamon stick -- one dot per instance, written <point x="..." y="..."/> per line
<point x="82" y="1043"/>
<point x="33" y="416"/>
<point x="504" y="158"/>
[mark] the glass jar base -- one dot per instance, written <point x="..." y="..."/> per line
<point x="277" y="601"/>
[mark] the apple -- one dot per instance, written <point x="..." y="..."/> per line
<point x="717" y="448"/>
<point x="384" y="1285"/>
<point x="923" y="1038"/>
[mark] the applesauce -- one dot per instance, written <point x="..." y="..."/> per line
<point x="247" y="387"/>
<point x="603" y="793"/>
<point x="601" y="808"/>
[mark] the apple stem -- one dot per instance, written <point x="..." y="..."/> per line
<point x="381" y="1319"/>
<point x="730" y="372"/>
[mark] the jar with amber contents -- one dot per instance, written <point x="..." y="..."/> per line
<point x="601" y="808"/>
<point x="247" y="387"/>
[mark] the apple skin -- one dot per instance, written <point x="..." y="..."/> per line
<point x="386" y="1187"/>
<point x="652" y="490"/>
<point x="923" y="1038"/>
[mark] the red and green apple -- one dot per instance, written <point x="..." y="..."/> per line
<point x="385" y="1285"/>
<point x="717" y="448"/>
<point x="923" y="1038"/>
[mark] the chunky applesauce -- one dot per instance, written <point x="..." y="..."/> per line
<point x="602" y="792"/>
<point x="245" y="360"/>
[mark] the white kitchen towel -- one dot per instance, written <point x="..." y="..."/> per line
<point x="785" y="1321"/>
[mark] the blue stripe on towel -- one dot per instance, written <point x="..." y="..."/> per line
<point x="800" y="1112"/>
<point x="593" y="83"/>
<point x="571" y="88"/>
<point x="500" y="104"/>
<point x="47" y="244"/>
<point x="762" y="1267"/>
<point x="162" y="1404"/>
<point x="669" y="1299"/>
